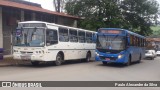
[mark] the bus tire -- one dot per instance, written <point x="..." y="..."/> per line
<point x="88" y="57"/>
<point x="152" y="58"/>
<point x="129" y="61"/>
<point x="139" y="59"/>
<point x="35" y="63"/>
<point x="105" y="63"/>
<point x="59" y="60"/>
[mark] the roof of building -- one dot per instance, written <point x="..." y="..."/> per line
<point x="153" y="39"/>
<point x="32" y="8"/>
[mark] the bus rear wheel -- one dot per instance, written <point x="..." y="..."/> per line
<point x="139" y="59"/>
<point x="88" y="57"/>
<point x="152" y="58"/>
<point x="35" y="63"/>
<point x="129" y="61"/>
<point x="59" y="60"/>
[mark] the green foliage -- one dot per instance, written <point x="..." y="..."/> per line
<point x="156" y="31"/>
<point x="128" y="14"/>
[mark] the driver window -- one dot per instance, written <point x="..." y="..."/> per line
<point x="51" y="37"/>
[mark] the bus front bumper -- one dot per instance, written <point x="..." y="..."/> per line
<point x="28" y="57"/>
<point x="111" y="59"/>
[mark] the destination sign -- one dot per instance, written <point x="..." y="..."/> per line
<point x="111" y="31"/>
<point x="33" y="25"/>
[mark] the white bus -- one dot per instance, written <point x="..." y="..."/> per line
<point x="38" y="41"/>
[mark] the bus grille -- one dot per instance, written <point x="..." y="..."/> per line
<point x="111" y="58"/>
<point x="22" y="52"/>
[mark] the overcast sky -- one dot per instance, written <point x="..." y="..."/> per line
<point x="158" y="1"/>
<point x="47" y="4"/>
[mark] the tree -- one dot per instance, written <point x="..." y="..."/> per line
<point x="139" y="13"/>
<point x="97" y="13"/>
<point x="128" y="14"/>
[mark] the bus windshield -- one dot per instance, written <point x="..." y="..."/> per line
<point x="111" y="42"/>
<point x="30" y="37"/>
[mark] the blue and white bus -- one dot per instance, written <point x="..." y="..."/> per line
<point x="114" y="45"/>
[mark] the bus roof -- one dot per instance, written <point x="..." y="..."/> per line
<point x="132" y="33"/>
<point x="53" y="24"/>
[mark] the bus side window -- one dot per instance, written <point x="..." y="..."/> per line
<point x="94" y="37"/>
<point x="81" y="36"/>
<point x="88" y="37"/>
<point x="131" y="40"/>
<point x="63" y="35"/>
<point x="73" y="36"/>
<point x="51" y="37"/>
<point x="134" y="41"/>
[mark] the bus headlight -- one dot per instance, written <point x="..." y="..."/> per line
<point x="39" y="52"/>
<point x="120" y="56"/>
<point x="97" y="54"/>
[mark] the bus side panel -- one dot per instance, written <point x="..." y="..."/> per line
<point x="93" y="54"/>
<point x="73" y="51"/>
<point x="81" y="50"/>
<point x="135" y="53"/>
<point x="51" y="53"/>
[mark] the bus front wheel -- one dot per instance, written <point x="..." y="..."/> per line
<point x="35" y="63"/>
<point x="105" y="63"/>
<point x="59" y="60"/>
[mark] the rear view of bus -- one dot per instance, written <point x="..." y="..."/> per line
<point x="37" y="42"/>
<point x="115" y="45"/>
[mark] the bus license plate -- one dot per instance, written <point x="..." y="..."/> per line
<point x="26" y="57"/>
<point x="108" y="59"/>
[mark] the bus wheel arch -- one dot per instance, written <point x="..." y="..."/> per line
<point x="59" y="58"/>
<point x="88" y="56"/>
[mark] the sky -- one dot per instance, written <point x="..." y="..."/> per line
<point x="47" y="4"/>
<point x="158" y="1"/>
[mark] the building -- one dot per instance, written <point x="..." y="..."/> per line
<point x="153" y="43"/>
<point x="14" y="11"/>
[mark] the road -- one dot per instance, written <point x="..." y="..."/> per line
<point x="147" y="70"/>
